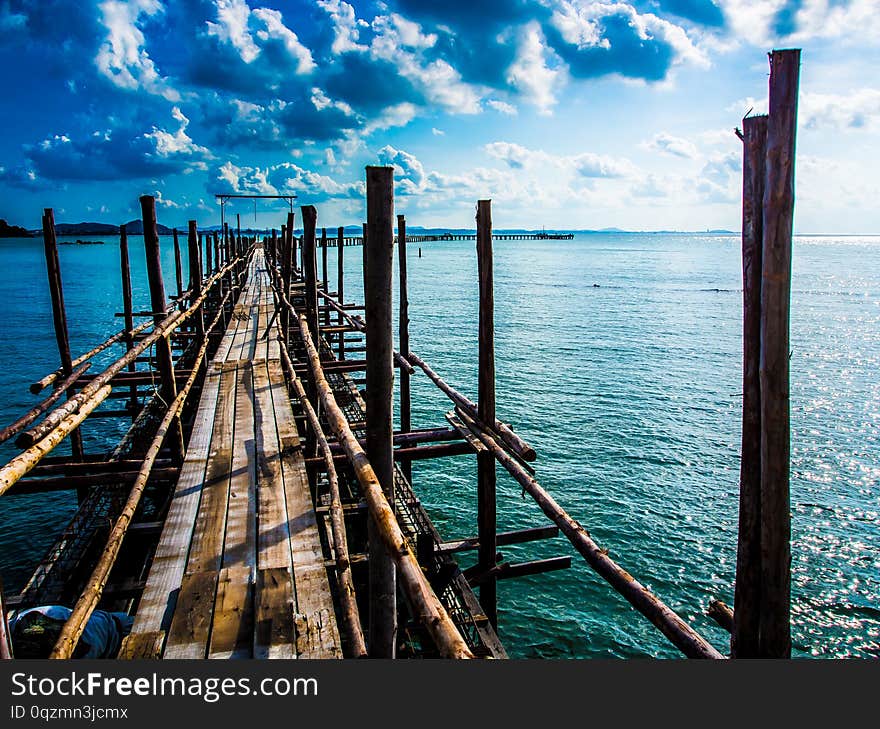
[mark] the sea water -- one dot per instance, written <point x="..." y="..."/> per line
<point x="618" y="357"/>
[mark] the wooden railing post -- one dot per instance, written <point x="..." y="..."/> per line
<point x="59" y="318"/>
<point x="127" y="312"/>
<point x="403" y="325"/>
<point x="178" y="271"/>
<point x="195" y="277"/>
<point x="309" y="269"/>
<point x="324" y="274"/>
<point x="486" y="507"/>
<point x="164" y="361"/>
<point x="747" y="597"/>
<point x="378" y="258"/>
<point x="775" y="626"/>
<point x="285" y="279"/>
<point x="340" y="283"/>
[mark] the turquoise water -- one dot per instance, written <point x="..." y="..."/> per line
<point x="618" y="359"/>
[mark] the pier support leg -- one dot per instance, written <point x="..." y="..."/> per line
<point x="378" y="261"/>
<point x="403" y="323"/>
<point x="127" y="312"/>
<point x="747" y="597"/>
<point x="164" y="361"/>
<point x="324" y="275"/>
<point x="59" y="319"/>
<point x="178" y="270"/>
<point x="775" y="627"/>
<point x="195" y="278"/>
<point x="486" y="507"/>
<point x="340" y="284"/>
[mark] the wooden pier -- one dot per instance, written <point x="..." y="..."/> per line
<point x="260" y="505"/>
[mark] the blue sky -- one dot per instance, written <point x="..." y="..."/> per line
<point x="566" y="113"/>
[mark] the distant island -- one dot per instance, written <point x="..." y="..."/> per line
<point x="12" y="231"/>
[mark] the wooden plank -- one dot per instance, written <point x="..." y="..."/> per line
<point x="465" y="432"/>
<point x="191" y="625"/>
<point x="210" y="526"/>
<point x="233" y="624"/>
<point x="273" y="550"/>
<point x="141" y="646"/>
<point x="317" y="632"/>
<point x="239" y="545"/>
<point x="169" y="562"/>
<point x="274" y="609"/>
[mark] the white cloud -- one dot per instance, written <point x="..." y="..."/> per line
<point x="232" y="27"/>
<point x="532" y="73"/>
<point x="675" y="146"/>
<point x="345" y="26"/>
<point x="122" y="57"/>
<point x="275" y="28"/>
<point x="859" y="109"/>
<point x="402" y="43"/>
<point x="175" y="143"/>
<point x="437" y="132"/>
<point x="285" y="178"/>
<point x="502" y="107"/>
<point x="583" y="165"/>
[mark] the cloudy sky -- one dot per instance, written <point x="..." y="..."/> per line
<point x="567" y="113"/>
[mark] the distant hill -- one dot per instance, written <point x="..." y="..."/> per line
<point x="12" y="231"/>
<point x="85" y="229"/>
<point x="136" y="227"/>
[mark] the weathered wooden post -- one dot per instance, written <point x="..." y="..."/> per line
<point x="239" y="249"/>
<point x="403" y="326"/>
<point x="775" y="625"/>
<point x="208" y="261"/>
<point x="378" y="261"/>
<point x="340" y="284"/>
<point x="747" y="597"/>
<point x="324" y="275"/>
<point x="486" y="517"/>
<point x="309" y="269"/>
<point x="285" y="281"/>
<point x="195" y="277"/>
<point x="178" y="271"/>
<point x="164" y="361"/>
<point x="59" y="319"/>
<point x="217" y="249"/>
<point x="128" y="316"/>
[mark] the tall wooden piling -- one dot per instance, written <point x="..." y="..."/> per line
<point x="285" y="278"/>
<point x="403" y="327"/>
<point x="340" y="283"/>
<point x="178" y="271"/>
<point x="125" y="267"/>
<point x="775" y="623"/>
<point x="378" y="261"/>
<point x="195" y="277"/>
<point x="747" y="597"/>
<point x="208" y="262"/>
<point x="324" y="278"/>
<point x="309" y="268"/>
<point x="238" y="247"/>
<point x="217" y="249"/>
<point x="164" y="361"/>
<point x="59" y="316"/>
<point x="486" y="507"/>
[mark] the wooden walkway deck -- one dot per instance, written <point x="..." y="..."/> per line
<point x="239" y="570"/>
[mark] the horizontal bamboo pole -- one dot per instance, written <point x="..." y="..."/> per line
<point x="91" y="594"/>
<point x="68" y="416"/>
<point x="685" y="638"/>
<point x="41" y="385"/>
<point x="509" y="438"/>
<point x="35" y="412"/>
<point x="25" y="461"/>
<point x="426" y="607"/>
<point x="359" y="325"/>
<point x="348" y="597"/>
